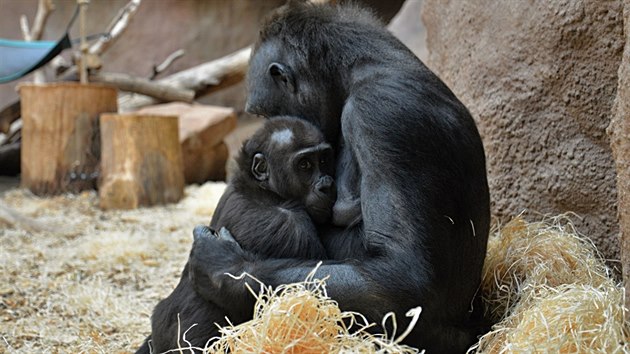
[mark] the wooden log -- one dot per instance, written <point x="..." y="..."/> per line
<point x="209" y="166"/>
<point x="203" y="79"/>
<point x="201" y="132"/>
<point x="156" y="90"/>
<point x="60" y="135"/>
<point x="141" y="161"/>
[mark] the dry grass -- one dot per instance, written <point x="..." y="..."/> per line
<point x="551" y="293"/>
<point x="85" y="280"/>
<point x="89" y="280"/>
<point x="301" y="318"/>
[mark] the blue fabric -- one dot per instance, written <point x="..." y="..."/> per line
<point x="19" y="58"/>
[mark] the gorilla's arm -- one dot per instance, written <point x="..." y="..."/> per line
<point x="347" y="208"/>
<point x="351" y="284"/>
<point x="282" y="230"/>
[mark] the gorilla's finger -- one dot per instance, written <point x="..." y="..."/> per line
<point x="203" y="231"/>
<point x="225" y="234"/>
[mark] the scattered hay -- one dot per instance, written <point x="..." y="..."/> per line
<point x="522" y="257"/>
<point x="301" y="318"/>
<point x="88" y="281"/>
<point x="551" y="292"/>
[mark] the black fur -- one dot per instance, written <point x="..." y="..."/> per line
<point x="416" y="165"/>
<point x="272" y="217"/>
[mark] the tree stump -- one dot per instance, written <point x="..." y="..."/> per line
<point x="202" y="129"/>
<point x="60" y="135"/>
<point x="141" y="161"/>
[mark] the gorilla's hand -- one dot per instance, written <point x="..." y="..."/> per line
<point x="214" y="255"/>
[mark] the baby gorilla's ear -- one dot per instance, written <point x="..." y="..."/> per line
<point x="259" y="167"/>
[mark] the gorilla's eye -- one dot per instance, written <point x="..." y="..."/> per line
<point x="304" y="164"/>
<point x="323" y="160"/>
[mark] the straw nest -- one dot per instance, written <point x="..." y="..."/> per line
<point x="550" y="292"/>
<point x="301" y="318"/>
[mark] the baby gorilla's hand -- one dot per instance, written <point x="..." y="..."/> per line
<point x="214" y="256"/>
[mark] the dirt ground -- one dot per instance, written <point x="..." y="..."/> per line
<point x="74" y="278"/>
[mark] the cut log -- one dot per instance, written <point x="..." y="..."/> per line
<point x="201" y="133"/>
<point x="205" y="165"/>
<point x="141" y="161"/>
<point x="60" y="135"/>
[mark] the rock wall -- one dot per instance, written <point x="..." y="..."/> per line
<point x="540" y="78"/>
<point x="619" y="131"/>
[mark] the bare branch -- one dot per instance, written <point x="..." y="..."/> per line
<point x="83" y="69"/>
<point x="26" y="33"/>
<point x="116" y="27"/>
<point x="157" y="69"/>
<point x="146" y="87"/>
<point x="44" y="8"/>
<point x="203" y="79"/>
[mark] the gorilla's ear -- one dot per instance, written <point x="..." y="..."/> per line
<point x="259" y="167"/>
<point x="282" y="76"/>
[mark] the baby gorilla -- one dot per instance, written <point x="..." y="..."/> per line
<point x="284" y="182"/>
<point x="282" y="187"/>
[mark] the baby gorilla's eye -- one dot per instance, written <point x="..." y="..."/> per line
<point x="304" y="164"/>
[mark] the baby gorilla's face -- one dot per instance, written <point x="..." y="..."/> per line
<point x="306" y="175"/>
<point x="291" y="158"/>
<point x="315" y="168"/>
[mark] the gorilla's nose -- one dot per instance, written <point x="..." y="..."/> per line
<point x="326" y="184"/>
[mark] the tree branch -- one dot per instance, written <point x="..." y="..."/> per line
<point x="156" y="90"/>
<point x="157" y="69"/>
<point x="202" y="79"/>
<point x="116" y="27"/>
<point x="44" y="8"/>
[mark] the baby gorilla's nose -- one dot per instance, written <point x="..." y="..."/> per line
<point x="325" y="185"/>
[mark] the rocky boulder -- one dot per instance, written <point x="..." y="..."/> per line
<point x="540" y="78"/>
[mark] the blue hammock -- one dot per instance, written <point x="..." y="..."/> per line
<point x="19" y="58"/>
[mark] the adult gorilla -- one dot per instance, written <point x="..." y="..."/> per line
<point x="413" y="195"/>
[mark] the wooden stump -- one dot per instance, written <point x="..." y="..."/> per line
<point x="207" y="166"/>
<point x="202" y="129"/>
<point x="141" y="161"/>
<point x="60" y="135"/>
